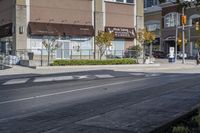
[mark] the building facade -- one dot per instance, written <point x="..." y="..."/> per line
<point x="24" y="24"/>
<point x="164" y="18"/>
<point x="153" y="21"/>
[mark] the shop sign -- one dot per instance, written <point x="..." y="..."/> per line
<point x="122" y="32"/>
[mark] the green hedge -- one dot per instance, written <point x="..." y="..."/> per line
<point x="93" y="62"/>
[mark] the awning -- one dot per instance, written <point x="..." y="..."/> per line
<point x="6" y="30"/>
<point x="170" y="38"/>
<point x="42" y="29"/>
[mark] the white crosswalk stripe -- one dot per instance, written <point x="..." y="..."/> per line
<point x="104" y="76"/>
<point x="137" y="74"/>
<point x="16" y="81"/>
<point x="57" y="78"/>
<point x="152" y="75"/>
<point x="83" y="77"/>
<point x="48" y="79"/>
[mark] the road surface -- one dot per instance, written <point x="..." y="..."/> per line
<point x="96" y="103"/>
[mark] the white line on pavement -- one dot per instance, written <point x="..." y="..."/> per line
<point x="48" y="79"/>
<point x="137" y="74"/>
<point x="104" y="76"/>
<point x="65" y="92"/>
<point x="83" y="76"/>
<point x="16" y="81"/>
<point x="152" y="75"/>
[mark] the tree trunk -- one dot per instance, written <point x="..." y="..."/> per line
<point x="151" y="49"/>
<point x="143" y="54"/>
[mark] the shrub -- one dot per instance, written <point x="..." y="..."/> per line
<point x="93" y="62"/>
<point x="196" y="120"/>
<point x="180" y="129"/>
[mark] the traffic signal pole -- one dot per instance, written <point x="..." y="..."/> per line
<point x="183" y="34"/>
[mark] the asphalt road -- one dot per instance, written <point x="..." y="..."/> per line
<point x="135" y="103"/>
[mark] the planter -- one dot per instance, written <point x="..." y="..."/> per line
<point x="30" y="55"/>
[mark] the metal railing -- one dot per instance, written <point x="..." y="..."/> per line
<point x="41" y="55"/>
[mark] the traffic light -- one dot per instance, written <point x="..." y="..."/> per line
<point x="184" y="20"/>
<point x="197" y="26"/>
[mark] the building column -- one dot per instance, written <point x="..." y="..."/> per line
<point x="20" y="36"/>
<point x="139" y="16"/>
<point x="99" y="20"/>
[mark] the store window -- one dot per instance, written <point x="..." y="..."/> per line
<point x="171" y="19"/>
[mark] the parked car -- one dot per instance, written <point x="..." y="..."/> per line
<point x="180" y="55"/>
<point x="159" y="54"/>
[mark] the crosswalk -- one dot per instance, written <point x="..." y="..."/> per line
<point x="16" y="81"/>
<point x="68" y="78"/>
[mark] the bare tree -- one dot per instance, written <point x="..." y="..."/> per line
<point x="51" y="46"/>
<point x="104" y="41"/>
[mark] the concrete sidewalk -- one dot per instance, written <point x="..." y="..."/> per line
<point x="19" y="71"/>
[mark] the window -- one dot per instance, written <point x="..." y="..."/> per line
<point x="153" y="27"/>
<point x="129" y="1"/>
<point x="150" y="3"/>
<point x="171" y="20"/>
<point x="119" y="0"/>
<point x="194" y="20"/>
<point x="124" y="1"/>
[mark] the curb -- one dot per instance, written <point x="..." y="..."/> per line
<point x="98" y="66"/>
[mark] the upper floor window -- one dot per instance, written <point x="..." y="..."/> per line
<point x="153" y="27"/>
<point x="165" y="1"/>
<point x="124" y="1"/>
<point x="194" y="18"/>
<point x="171" y="20"/>
<point x="150" y="3"/>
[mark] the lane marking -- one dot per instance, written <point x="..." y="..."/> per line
<point x="48" y="79"/>
<point x="104" y="76"/>
<point x="65" y="92"/>
<point x="152" y="75"/>
<point x="83" y="76"/>
<point x="16" y="81"/>
<point x="137" y="74"/>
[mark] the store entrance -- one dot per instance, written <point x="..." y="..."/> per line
<point x="168" y="44"/>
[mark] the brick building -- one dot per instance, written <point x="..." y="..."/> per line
<point x="164" y="18"/>
<point x="24" y="24"/>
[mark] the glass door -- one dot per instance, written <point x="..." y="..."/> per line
<point x="63" y="52"/>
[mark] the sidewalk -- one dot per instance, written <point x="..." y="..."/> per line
<point x="19" y="71"/>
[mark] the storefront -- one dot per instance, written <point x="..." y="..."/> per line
<point x="124" y="38"/>
<point x="6" y="38"/>
<point x="74" y="40"/>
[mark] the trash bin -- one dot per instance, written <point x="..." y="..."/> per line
<point x="30" y="55"/>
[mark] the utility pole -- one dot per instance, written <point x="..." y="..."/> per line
<point x="176" y="43"/>
<point x="95" y="9"/>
